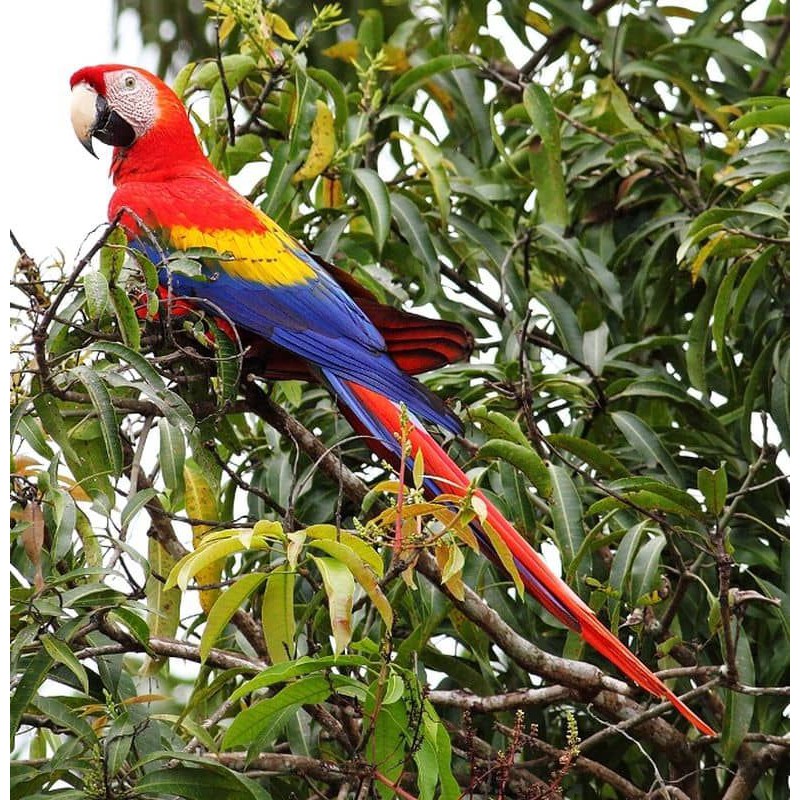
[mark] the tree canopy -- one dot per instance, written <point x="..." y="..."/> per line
<point x="204" y="593"/>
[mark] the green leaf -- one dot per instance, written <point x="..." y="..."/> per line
<point x="524" y="458"/>
<point x="415" y="232"/>
<point x="226" y="606"/>
<point x="619" y="575"/>
<point x="118" y="743"/>
<point x="136" y="504"/>
<point x="418" y="75"/>
<point x="567" y="327"/>
<point x="375" y="195"/>
<point x="592" y="455"/>
<point x="126" y="318"/>
<point x="136" y="360"/>
<point x="34" y="670"/>
<point x="739" y="708"/>
<point x="499" y="425"/>
<point x="61" y="652"/>
<point x="545" y="156"/>
<point x="112" y="255"/>
<point x="776" y="116"/>
<point x="30" y="430"/>
<point x="172" y="454"/>
<point x="101" y="399"/>
<point x="198" y="784"/>
<point x="236" y="65"/>
<point x="277" y="614"/>
<point x="714" y="486"/>
<point x="432" y="161"/>
<point x="283" y="672"/>
<point x="567" y="514"/>
<point x="386" y="748"/>
<point x="645" y="570"/>
<point x="62" y="715"/>
<point x="248" y="725"/>
<point x="98" y="296"/>
<point x="644" y="440"/>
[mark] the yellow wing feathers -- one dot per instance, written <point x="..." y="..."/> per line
<point x="268" y="256"/>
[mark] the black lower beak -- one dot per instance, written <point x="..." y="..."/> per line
<point x="110" y="127"/>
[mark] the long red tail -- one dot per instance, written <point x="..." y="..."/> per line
<point x="381" y="418"/>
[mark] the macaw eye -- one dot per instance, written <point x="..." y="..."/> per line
<point x="129" y="81"/>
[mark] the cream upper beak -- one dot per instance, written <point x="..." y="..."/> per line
<point x="83" y="112"/>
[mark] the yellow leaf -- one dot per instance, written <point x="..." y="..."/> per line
<point x="343" y="51"/>
<point x="538" y="22"/>
<point x="451" y="561"/>
<point x="279" y="26"/>
<point x="396" y="58"/>
<point x="505" y="555"/>
<point x="201" y="503"/>
<point x="340" y="588"/>
<point x="330" y="193"/>
<point x="225" y="28"/>
<point x="323" y="145"/>
<point x="442" y="97"/>
<point x="705" y="251"/>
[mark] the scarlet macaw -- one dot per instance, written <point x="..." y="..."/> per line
<point x="171" y="198"/>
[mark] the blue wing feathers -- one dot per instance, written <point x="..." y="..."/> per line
<point x="318" y="321"/>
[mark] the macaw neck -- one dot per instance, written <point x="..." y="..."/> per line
<point x="162" y="152"/>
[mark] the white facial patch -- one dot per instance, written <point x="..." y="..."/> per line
<point x="133" y="98"/>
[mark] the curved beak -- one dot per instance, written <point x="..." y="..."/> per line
<point x="93" y="117"/>
<point x="83" y="114"/>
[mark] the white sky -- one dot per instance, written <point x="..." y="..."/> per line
<point x="55" y="192"/>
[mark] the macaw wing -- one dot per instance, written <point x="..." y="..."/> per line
<point x="276" y="289"/>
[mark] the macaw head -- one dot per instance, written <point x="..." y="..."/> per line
<point x="127" y="107"/>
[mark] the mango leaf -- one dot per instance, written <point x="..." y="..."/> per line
<point x="323" y="145"/>
<point x="126" y="318"/>
<point x="34" y="672"/>
<point x="112" y="255"/>
<point x="340" y="588"/>
<point x="61" y="652"/>
<point x="226" y="606"/>
<point x="62" y="715"/>
<point x="566" y="512"/>
<point x="739" y="707"/>
<point x="714" y="486"/>
<point x="619" y="577"/>
<point x="597" y="458"/>
<point x="171" y="454"/>
<point x="415" y="232"/>
<point x="376" y="196"/>
<point x="545" y="156"/>
<point x="361" y="571"/>
<point x="198" y="784"/>
<point x="419" y="75"/>
<point x="644" y="572"/>
<point x="305" y="665"/>
<point x="248" y="725"/>
<point x="201" y="503"/>
<point x="98" y="296"/>
<point x="163" y="604"/>
<point x="524" y="458"/>
<point x="647" y="444"/>
<point x="101" y="400"/>
<point x="277" y="614"/>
